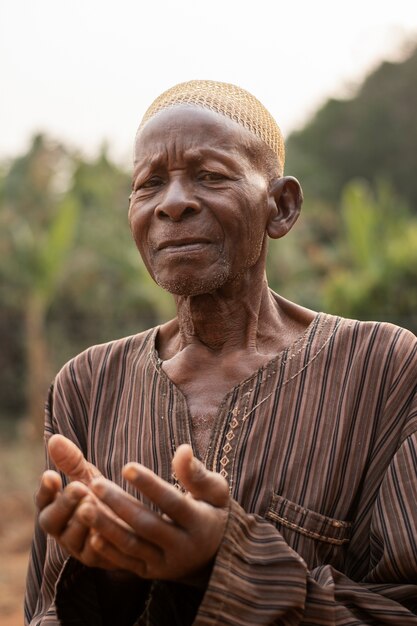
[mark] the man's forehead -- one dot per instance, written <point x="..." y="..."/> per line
<point x="228" y="100"/>
<point x="196" y="133"/>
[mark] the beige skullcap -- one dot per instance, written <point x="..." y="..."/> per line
<point x="229" y="100"/>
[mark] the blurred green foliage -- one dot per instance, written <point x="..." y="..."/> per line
<point x="71" y="275"/>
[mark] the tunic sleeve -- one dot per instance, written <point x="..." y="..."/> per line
<point x="59" y="589"/>
<point x="47" y="559"/>
<point x="259" y="579"/>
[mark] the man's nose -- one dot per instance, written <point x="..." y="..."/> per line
<point x="178" y="201"/>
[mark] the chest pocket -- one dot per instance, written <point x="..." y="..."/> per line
<point x="318" y="539"/>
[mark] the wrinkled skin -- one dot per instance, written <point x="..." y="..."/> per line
<point x="202" y="207"/>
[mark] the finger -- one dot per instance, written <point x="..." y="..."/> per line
<point x="167" y="498"/>
<point x="111" y="555"/>
<point x="198" y="480"/>
<point x="70" y="460"/>
<point x="93" y="508"/>
<point x="74" y="535"/>
<point x="120" y="535"/>
<point x="146" y="524"/>
<point x="50" y="486"/>
<point x="93" y="558"/>
<point x="55" y="517"/>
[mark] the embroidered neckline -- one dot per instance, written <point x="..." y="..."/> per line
<point x="237" y="413"/>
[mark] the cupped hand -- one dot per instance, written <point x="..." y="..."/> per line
<point x="179" y="541"/>
<point x="58" y="507"/>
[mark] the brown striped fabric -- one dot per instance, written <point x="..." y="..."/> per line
<point x="319" y="448"/>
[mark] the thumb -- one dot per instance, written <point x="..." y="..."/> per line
<point x="198" y="480"/>
<point x="70" y="460"/>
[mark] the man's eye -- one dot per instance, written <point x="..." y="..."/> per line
<point x="211" y="176"/>
<point x="155" y="181"/>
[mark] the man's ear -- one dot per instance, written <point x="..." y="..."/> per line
<point x="286" y="198"/>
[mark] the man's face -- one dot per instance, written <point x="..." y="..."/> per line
<point x="199" y="206"/>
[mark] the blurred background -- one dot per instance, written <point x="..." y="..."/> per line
<point x="76" y="78"/>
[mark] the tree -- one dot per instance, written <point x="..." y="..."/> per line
<point x="375" y="273"/>
<point x="73" y="274"/>
<point x="38" y="224"/>
<point x="372" y="135"/>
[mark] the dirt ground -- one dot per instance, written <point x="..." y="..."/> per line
<point x="21" y="463"/>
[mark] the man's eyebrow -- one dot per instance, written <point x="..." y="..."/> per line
<point x="224" y="154"/>
<point x="149" y="162"/>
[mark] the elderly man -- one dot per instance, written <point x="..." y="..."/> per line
<point x="249" y="462"/>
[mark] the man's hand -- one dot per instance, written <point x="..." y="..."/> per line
<point x="58" y="506"/>
<point x="177" y="544"/>
<point x="70" y="460"/>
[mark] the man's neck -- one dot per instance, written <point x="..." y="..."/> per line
<point x="234" y="317"/>
<point x="242" y="316"/>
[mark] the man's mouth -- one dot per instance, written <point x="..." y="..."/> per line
<point x="186" y="244"/>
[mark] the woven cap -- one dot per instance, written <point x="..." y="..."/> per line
<point x="229" y="100"/>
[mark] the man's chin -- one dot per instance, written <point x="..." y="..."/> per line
<point x="192" y="285"/>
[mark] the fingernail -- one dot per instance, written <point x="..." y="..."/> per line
<point x="98" y="486"/>
<point x="47" y="481"/>
<point x="131" y="472"/>
<point x="97" y="542"/>
<point x="87" y="513"/>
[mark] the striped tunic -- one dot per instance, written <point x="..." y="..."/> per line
<point x="319" y="448"/>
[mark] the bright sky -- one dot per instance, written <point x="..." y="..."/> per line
<point x="85" y="70"/>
